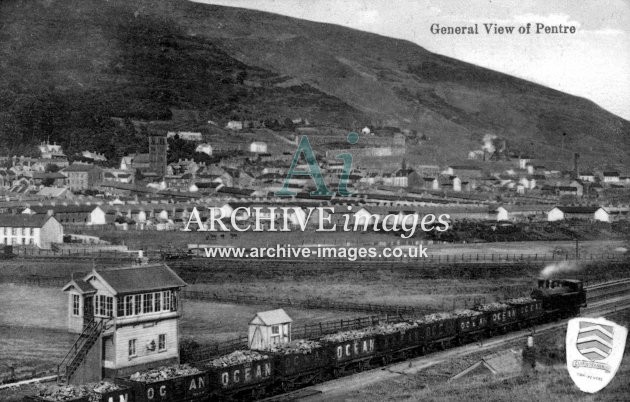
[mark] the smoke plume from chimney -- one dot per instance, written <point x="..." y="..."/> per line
<point x="560" y="268"/>
<point x="488" y="144"/>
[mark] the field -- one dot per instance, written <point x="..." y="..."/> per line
<point x="149" y="240"/>
<point x="430" y="294"/>
<point x="550" y="382"/>
<point x="32" y="329"/>
<point x="437" y="287"/>
<point x="33" y="325"/>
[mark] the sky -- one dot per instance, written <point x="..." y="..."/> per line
<point x="594" y="62"/>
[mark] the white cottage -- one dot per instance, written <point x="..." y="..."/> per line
<point x="578" y="212"/>
<point x="30" y="230"/>
<point x="258" y="147"/>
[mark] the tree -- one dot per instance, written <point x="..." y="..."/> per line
<point x="52" y="168"/>
<point x="241" y="76"/>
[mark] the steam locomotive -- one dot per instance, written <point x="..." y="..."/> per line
<point x="562" y="298"/>
<point x="269" y="372"/>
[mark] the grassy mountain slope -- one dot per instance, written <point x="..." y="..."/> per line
<point x="453" y="102"/>
<point x="137" y="58"/>
<point x="67" y="67"/>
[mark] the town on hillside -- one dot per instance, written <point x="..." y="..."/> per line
<point x="154" y="192"/>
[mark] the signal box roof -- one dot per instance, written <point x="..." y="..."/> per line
<point x="138" y="279"/>
<point x="80" y="285"/>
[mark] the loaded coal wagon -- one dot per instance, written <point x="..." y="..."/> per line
<point x="528" y="311"/>
<point x="103" y="391"/>
<point x="299" y="363"/>
<point x="501" y="316"/>
<point x="397" y="341"/>
<point x="169" y="383"/>
<point x="349" y="350"/>
<point x="242" y="374"/>
<point x="471" y="325"/>
<point x="438" y="330"/>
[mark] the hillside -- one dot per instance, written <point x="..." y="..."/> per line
<point x="137" y="58"/>
<point x="68" y="67"/>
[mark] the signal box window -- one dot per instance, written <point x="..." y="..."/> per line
<point x="132" y="347"/>
<point x="162" y="342"/>
<point x="76" y="303"/>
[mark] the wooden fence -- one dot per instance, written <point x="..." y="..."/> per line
<point x="467" y="258"/>
<point x="75" y="252"/>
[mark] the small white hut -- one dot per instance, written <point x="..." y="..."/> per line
<point x="269" y="328"/>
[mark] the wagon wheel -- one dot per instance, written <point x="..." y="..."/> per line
<point x="257" y="393"/>
<point x="317" y="378"/>
<point x="287" y="386"/>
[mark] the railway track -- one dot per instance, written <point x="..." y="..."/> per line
<point x="615" y="297"/>
<point x="608" y="284"/>
<point x="602" y="291"/>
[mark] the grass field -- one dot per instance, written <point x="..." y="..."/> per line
<point x="432" y="294"/>
<point x="154" y="240"/>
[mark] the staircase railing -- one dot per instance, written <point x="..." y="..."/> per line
<point x="75" y="356"/>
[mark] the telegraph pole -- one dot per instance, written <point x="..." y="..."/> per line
<point x="577" y="249"/>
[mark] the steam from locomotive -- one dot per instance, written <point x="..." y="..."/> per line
<point x="560" y="267"/>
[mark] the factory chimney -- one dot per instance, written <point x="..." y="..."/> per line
<point x="576" y="169"/>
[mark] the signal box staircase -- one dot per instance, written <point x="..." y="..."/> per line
<point x="79" y="351"/>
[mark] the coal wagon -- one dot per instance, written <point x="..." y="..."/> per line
<point x="242" y="374"/>
<point x="162" y="384"/>
<point x="299" y="363"/>
<point x="349" y="351"/>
